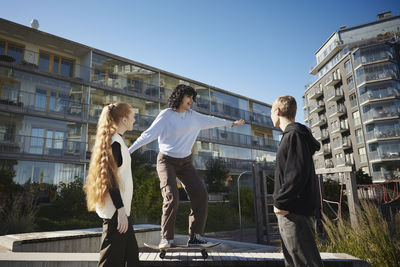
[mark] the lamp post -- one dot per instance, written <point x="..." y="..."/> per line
<point x="240" y="212"/>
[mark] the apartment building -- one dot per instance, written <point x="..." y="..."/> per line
<point x="353" y="103"/>
<point x="52" y="91"/>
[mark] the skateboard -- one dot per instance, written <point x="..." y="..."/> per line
<point x="163" y="251"/>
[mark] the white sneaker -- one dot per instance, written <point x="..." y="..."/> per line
<point x="165" y="243"/>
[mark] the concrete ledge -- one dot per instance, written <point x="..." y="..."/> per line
<point x="85" y="240"/>
<point x="19" y="259"/>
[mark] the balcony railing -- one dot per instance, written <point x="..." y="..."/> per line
<point x="385" y="112"/>
<point x="385" y="175"/>
<point x="318" y="121"/>
<point x="381" y="94"/>
<point x="324" y="165"/>
<point x="334" y="94"/>
<point x="315" y="93"/>
<point x="340" y="127"/>
<point x="383" y="155"/>
<point x="231" y="138"/>
<point x="44" y="147"/>
<point x="325" y="149"/>
<point x="336" y="110"/>
<point x="343" y="161"/>
<point x="318" y="106"/>
<point x="321" y="135"/>
<point x="375" y="72"/>
<point x="381" y="134"/>
<point x="52" y="106"/>
<point x="369" y="55"/>
<point x="332" y="79"/>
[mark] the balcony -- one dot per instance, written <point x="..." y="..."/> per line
<point x="376" y="72"/>
<point x="333" y="79"/>
<point x="336" y="110"/>
<point x="378" y="156"/>
<point x="341" y="127"/>
<point x="315" y="93"/>
<point x="231" y="138"/>
<point x="46" y="105"/>
<point x="377" y="134"/>
<point x="321" y="135"/>
<point x="325" y="150"/>
<point x="344" y="161"/>
<point x="324" y="165"/>
<point x="317" y="107"/>
<point x="318" y="121"/>
<point x="343" y="143"/>
<point x="372" y="54"/>
<point x="381" y="113"/>
<point x="36" y="148"/>
<point x="379" y="95"/>
<point x="334" y="94"/>
<point x="384" y="175"/>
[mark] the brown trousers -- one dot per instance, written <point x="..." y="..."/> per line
<point x="118" y="249"/>
<point x="169" y="169"/>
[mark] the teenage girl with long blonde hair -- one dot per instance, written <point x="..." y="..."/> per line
<point x="109" y="186"/>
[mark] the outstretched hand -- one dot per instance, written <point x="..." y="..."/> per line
<point x="238" y="123"/>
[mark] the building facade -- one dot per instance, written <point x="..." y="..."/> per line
<point x="353" y="104"/>
<point x="52" y="91"/>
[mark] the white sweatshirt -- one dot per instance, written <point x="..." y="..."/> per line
<point x="177" y="132"/>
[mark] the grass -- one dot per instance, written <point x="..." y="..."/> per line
<point x="371" y="240"/>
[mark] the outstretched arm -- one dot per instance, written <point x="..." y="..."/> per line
<point x="151" y="133"/>
<point x="207" y="122"/>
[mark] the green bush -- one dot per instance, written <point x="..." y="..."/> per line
<point x="215" y="176"/>
<point x="71" y="200"/>
<point x="370" y="240"/>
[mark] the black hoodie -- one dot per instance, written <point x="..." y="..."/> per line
<point x="296" y="184"/>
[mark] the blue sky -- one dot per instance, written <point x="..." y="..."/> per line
<point x="257" y="48"/>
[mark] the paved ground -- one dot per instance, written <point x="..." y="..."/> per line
<point x="248" y="235"/>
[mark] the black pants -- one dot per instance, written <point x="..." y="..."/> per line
<point x="118" y="249"/>
<point x="298" y="241"/>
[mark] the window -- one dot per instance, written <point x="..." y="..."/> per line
<point x="13" y="50"/>
<point x="363" y="154"/>
<point x="6" y="132"/>
<point x="350" y="83"/>
<point x="56" y="64"/>
<point x="50" y="100"/>
<point x="353" y="100"/>
<point x="359" y="136"/>
<point x="46" y="141"/>
<point x="356" y="117"/>
<point x="347" y="66"/>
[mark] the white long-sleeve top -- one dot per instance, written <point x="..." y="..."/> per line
<point x="177" y="132"/>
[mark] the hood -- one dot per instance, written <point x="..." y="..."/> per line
<point x="314" y="145"/>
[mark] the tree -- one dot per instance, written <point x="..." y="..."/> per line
<point x="362" y="177"/>
<point x="215" y="175"/>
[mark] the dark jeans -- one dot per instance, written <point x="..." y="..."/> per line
<point x="298" y="240"/>
<point x="118" y="249"/>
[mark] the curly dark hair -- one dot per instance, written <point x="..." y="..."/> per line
<point x="179" y="92"/>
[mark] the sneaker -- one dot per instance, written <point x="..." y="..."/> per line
<point x="196" y="241"/>
<point x="165" y="243"/>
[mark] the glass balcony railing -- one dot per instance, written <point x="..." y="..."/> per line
<point x="325" y="149"/>
<point x="317" y="106"/>
<point x="51" y="105"/>
<point x="382" y="112"/>
<point x="336" y="110"/>
<point x="334" y="94"/>
<point x="332" y="79"/>
<point x="340" y="127"/>
<point x="380" y="71"/>
<point x="254" y="142"/>
<point x="44" y="147"/>
<point x="321" y="135"/>
<point x="324" y="165"/>
<point x="343" y="161"/>
<point x="315" y="93"/>
<point x="383" y="133"/>
<point x="385" y="175"/>
<point x="372" y="54"/>
<point x="384" y="93"/>
<point x="380" y="155"/>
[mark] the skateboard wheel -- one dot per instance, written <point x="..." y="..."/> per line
<point x="204" y="254"/>
<point x="162" y="254"/>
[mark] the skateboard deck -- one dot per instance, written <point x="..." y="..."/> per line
<point x="163" y="251"/>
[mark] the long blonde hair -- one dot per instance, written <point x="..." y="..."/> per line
<point x="103" y="172"/>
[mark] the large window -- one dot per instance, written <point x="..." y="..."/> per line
<point x="353" y="100"/>
<point x="347" y="66"/>
<point x="363" y="154"/>
<point x="56" y="64"/>
<point x="359" y="136"/>
<point x="356" y="118"/>
<point x="13" y="50"/>
<point x="350" y="83"/>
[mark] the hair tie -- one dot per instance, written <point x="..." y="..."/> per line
<point x="110" y="107"/>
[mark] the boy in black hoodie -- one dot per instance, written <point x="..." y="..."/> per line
<point x="296" y="193"/>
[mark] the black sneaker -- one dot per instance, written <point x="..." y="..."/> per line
<point x="196" y="241"/>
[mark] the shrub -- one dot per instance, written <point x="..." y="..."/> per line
<point x="370" y="240"/>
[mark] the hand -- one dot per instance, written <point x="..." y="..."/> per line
<point x="281" y="212"/>
<point x="238" y="123"/>
<point x="122" y="221"/>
